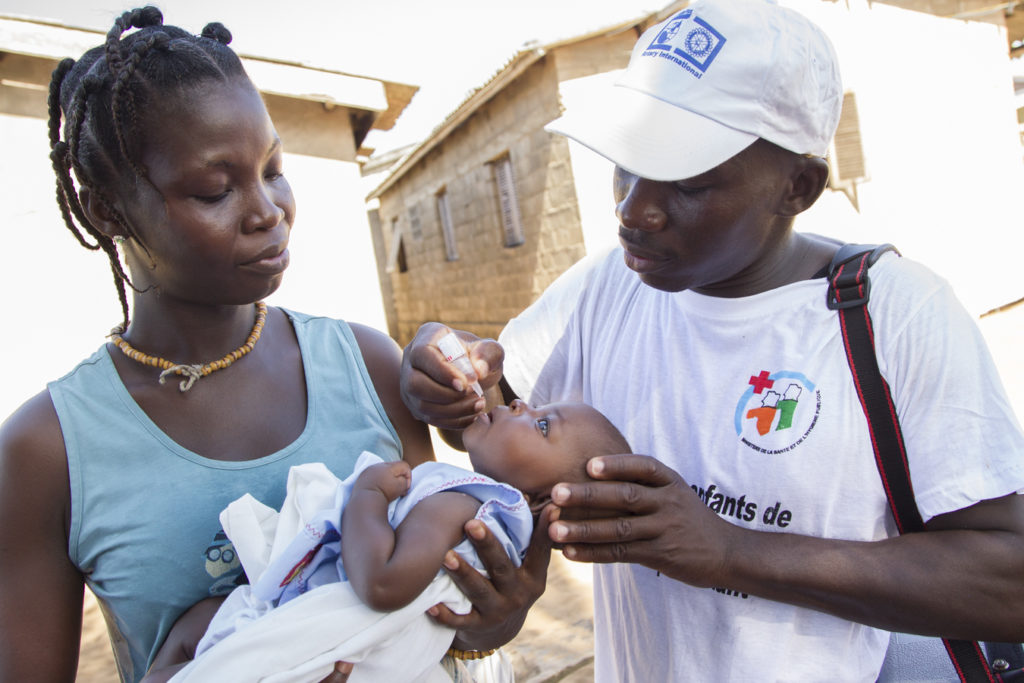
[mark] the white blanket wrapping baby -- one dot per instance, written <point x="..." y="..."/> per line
<point x="299" y="614"/>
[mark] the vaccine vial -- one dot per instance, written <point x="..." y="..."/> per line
<point x="455" y="353"/>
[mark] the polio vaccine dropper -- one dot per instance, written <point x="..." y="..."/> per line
<point x="454" y="352"/>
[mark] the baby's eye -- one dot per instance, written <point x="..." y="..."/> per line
<point x="542" y="425"/>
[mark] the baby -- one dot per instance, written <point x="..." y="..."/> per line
<point x="357" y="591"/>
<point x="531" y="449"/>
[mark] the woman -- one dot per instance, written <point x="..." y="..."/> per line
<point x="114" y="476"/>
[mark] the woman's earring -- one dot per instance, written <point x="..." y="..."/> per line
<point x="119" y="239"/>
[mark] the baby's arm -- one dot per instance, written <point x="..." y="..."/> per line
<point x="389" y="567"/>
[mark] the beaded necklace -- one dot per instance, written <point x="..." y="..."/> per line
<point x="192" y="372"/>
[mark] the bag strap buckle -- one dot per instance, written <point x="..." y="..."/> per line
<point x="849" y="284"/>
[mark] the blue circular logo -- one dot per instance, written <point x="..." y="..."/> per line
<point x="699" y="42"/>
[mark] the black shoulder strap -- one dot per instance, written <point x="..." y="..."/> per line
<point x="848" y="292"/>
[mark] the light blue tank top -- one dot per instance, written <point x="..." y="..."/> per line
<point x="144" y="510"/>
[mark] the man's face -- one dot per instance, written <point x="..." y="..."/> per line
<point x="717" y="233"/>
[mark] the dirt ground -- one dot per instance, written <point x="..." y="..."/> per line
<point x="556" y="643"/>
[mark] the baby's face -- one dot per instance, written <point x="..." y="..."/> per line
<point x="529" y="448"/>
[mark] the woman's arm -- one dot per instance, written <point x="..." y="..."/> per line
<point x="41" y="608"/>
<point x="383" y="358"/>
<point x="179" y="646"/>
<point x="389" y="567"/>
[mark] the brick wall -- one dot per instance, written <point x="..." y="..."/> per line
<point x="489" y="282"/>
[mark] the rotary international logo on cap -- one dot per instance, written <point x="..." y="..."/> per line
<point x="705" y="83"/>
<point x="687" y="40"/>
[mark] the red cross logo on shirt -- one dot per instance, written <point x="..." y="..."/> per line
<point x="761" y="382"/>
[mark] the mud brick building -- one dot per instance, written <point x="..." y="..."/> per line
<point x="479" y="218"/>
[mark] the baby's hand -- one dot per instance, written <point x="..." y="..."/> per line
<point x="392" y="479"/>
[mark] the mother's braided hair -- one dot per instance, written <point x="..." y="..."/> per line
<point x="104" y="97"/>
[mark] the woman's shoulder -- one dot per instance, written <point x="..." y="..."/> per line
<point x="300" y="318"/>
<point x="31" y="437"/>
<point x="33" y="425"/>
<point x="369" y="340"/>
<point x="361" y="333"/>
<point x="32" y="454"/>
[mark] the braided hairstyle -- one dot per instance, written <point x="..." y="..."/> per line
<point x="103" y="97"/>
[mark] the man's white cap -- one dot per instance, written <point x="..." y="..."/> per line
<point x="706" y="83"/>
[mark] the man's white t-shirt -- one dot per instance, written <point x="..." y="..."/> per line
<point x="751" y="400"/>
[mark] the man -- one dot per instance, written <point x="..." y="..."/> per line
<point x="755" y="542"/>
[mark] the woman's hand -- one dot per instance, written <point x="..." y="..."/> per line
<point x="435" y="391"/>
<point x="179" y="647"/>
<point x="500" y="603"/>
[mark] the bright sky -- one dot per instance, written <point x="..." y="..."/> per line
<point x="447" y="47"/>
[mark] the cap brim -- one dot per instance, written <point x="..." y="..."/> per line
<point x="647" y="136"/>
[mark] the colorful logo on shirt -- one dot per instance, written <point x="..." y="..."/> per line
<point x="777" y="412"/>
<point x="689" y="41"/>
<point x="223" y="565"/>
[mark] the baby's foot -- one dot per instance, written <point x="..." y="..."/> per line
<point x="392" y="479"/>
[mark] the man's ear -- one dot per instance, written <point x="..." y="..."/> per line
<point x="808" y="180"/>
<point x="100" y="213"/>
